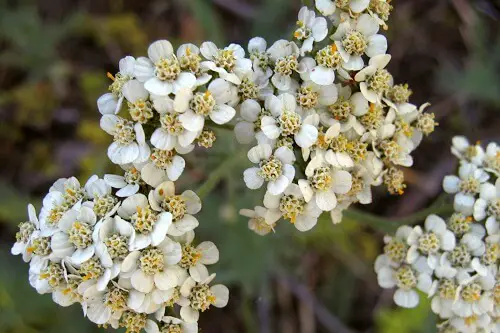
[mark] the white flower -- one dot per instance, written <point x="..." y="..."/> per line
<point x="111" y="103"/>
<point x="328" y="7"/>
<point x="313" y="96"/>
<point x="260" y="220"/>
<point x="129" y="143"/>
<point x="128" y="184"/>
<point x="163" y="165"/>
<point x="212" y="103"/>
<point x="150" y="227"/>
<point x="201" y="296"/>
<point x="23" y="236"/>
<point x="472" y="298"/>
<point x="190" y="61"/>
<point x="355" y="38"/>
<point x="291" y="205"/>
<point x="488" y="203"/>
<point x="407" y="280"/>
<point x="374" y="79"/>
<point x="153" y="267"/>
<point x="345" y="111"/>
<point x="467" y="185"/>
<point x="395" y="249"/>
<point x="310" y="29"/>
<point x="172" y="134"/>
<point x="230" y="63"/>
<point x="284" y="54"/>
<point x="104" y="306"/>
<point x="428" y="244"/>
<point x="195" y="258"/>
<point x="257" y="48"/>
<point x="462" y="149"/>
<point x="254" y="85"/>
<point x="182" y="207"/>
<point x="161" y="72"/>
<point x="114" y="236"/>
<point x="276" y="169"/>
<point x="63" y="195"/>
<point x="104" y="203"/>
<point x="77" y="227"/>
<point x="324" y="182"/>
<point x="286" y="121"/>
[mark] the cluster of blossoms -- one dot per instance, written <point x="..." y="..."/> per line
<point x="455" y="261"/>
<point x="126" y="260"/>
<point x="328" y="122"/>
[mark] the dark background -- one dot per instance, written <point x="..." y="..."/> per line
<point x="54" y="56"/>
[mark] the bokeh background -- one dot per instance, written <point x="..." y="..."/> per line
<point x="54" y="56"/>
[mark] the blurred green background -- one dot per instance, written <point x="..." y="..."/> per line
<point x="54" y="56"/>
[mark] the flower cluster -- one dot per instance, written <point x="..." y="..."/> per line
<point x="455" y="261"/>
<point x="123" y="259"/>
<point x="326" y="122"/>
<point x="330" y="122"/>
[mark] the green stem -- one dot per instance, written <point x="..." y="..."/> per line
<point x="390" y="225"/>
<point x="222" y="170"/>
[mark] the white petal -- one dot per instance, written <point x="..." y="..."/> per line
<point x="189" y="315"/>
<point x="278" y="186"/>
<point x="192" y="121"/>
<point x="269" y="127"/>
<point x="326" y="200"/>
<point x="142" y="282"/>
<point x="406" y="299"/>
<point x="221" y="294"/>
<point x="285" y="155"/>
<point x="322" y="75"/>
<point x="376" y="45"/>
<point x="158" y="87"/>
<point x="357" y="6"/>
<point x="252" y="178"/>
<point x="305" y="223"/>
<point x="161" y="49"/>
<point x="133" y="90"/>
<point x="166" y="280"/>
<point x="307" y="136"/>
<point x="222" y="114"/>
<point x="162" y="140"/>
<point x="259" y="153"/>
<point x="209" y="253"/>
<point x="451" y="184"/>
<point x="244" y="132"/>
<point x="367" y="25"/>
<point x="250" y="110"/>
<point x="107" y="104"/>
<point x="174" y="171"/>
<point x="160" y="228"/>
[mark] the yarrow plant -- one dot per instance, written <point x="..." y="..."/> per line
<point x="325" y="122"/>
<point x="454" y="259"/>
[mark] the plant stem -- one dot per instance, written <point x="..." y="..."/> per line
<point x="390" y="225"/>
<point x="217" y="174"/>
